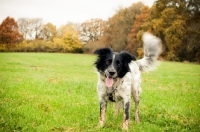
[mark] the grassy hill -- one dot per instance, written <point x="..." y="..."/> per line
<point x="57" y="92"/>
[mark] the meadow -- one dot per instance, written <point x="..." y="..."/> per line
<point x="42" y="92"/>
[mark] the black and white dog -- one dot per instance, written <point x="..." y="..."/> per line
<point x="120" y="76"/>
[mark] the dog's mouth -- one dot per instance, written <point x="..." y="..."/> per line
<point x="109" y="82"/>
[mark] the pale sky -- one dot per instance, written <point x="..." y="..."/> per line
<point x="59" y="12"/>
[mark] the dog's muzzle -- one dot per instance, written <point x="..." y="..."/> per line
<point x="110" y="74"/>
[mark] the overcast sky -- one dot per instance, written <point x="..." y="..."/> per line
<point x="59" y="12"/>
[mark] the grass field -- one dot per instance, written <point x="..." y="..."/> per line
<point x="57" y="92"/>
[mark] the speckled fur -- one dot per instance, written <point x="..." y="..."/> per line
<point x="126" y="76"/>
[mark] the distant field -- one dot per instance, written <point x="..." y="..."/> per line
<point x="57" y="92"/>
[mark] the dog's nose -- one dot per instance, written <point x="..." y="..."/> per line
<point x="111" y="73"/>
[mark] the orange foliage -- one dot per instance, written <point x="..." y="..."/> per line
<point x="133" y="43"/>
<point x="9" y="33"/>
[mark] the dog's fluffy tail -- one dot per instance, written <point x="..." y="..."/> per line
<point x="152" y="49"/>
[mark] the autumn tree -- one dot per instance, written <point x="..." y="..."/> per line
<point x="190" y="48"/>
<point x="175" y="29"/>
<point x="69" y="38"/>
<point x="167" y="22"/>
<point x="9" y="33"/>
<point x="134" y="37"/>
<point x="48" y="32"/>
<point x="176" y="23"/>
<point x="65" y="28"/>
<point x="120" y="25"/>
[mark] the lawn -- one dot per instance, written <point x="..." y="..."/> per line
<point x="57" y="92"/>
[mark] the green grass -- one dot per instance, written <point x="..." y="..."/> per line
<point x="57" y="92"/>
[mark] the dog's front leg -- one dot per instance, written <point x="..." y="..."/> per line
<point x="103" y="106"/>
<point x="118" y="105"/>
<point x="126" y="115"/>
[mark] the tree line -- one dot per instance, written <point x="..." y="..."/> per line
<point x="176" y="22"/>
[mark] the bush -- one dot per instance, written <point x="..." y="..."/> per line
<point x="172" y="57"/>
<point x="41" y="46"/>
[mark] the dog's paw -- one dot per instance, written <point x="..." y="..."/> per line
<point x="101" y="123"/>
<point x="125" y="125"/>
<point x="137" y="119"/>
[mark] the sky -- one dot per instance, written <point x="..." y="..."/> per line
<point x="60" y="12"/>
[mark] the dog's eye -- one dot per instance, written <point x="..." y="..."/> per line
<point x="119" y="64"/>
<point x="107" y="62"/>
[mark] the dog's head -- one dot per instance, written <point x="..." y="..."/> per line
<point x="111" y="64"/>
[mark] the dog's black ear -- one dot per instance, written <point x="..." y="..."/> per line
<point x="103" y="51"/>
<point x="100" y="62"/>
<point x="127" y="58"/>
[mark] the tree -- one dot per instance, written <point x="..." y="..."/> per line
<point x="48" y="32"/>
<point x="192" y="38"/>
<point x="9" y="33"/>
<point x="134" y="42"/>
<point x="30" y="28"/>
<point x="65" y="28"/>
<point x="120" y="25"/>
<point x="167" y="22"/>
<point x="193" y="6"/>
<point x="92" y="30"/>
<point x="23" y="24"/>
<point x="36" y="26"/>
<point x="176" y="22"/>
<point x="69" y="38"/>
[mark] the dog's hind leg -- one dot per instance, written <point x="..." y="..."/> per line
<point x="137" y="100"/>
<point x="136" y="97"/>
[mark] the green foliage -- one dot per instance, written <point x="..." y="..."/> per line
<point x="44" y="92"/>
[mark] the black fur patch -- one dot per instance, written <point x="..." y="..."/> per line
<point x="123" y="59"/>
<point x="127" y="108"/>
<point x="110" y="97"/>
<point x="103" y="106"/>
<point x="103" y="54"/>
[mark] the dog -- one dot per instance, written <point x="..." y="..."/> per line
<point x="119" y="77"/>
